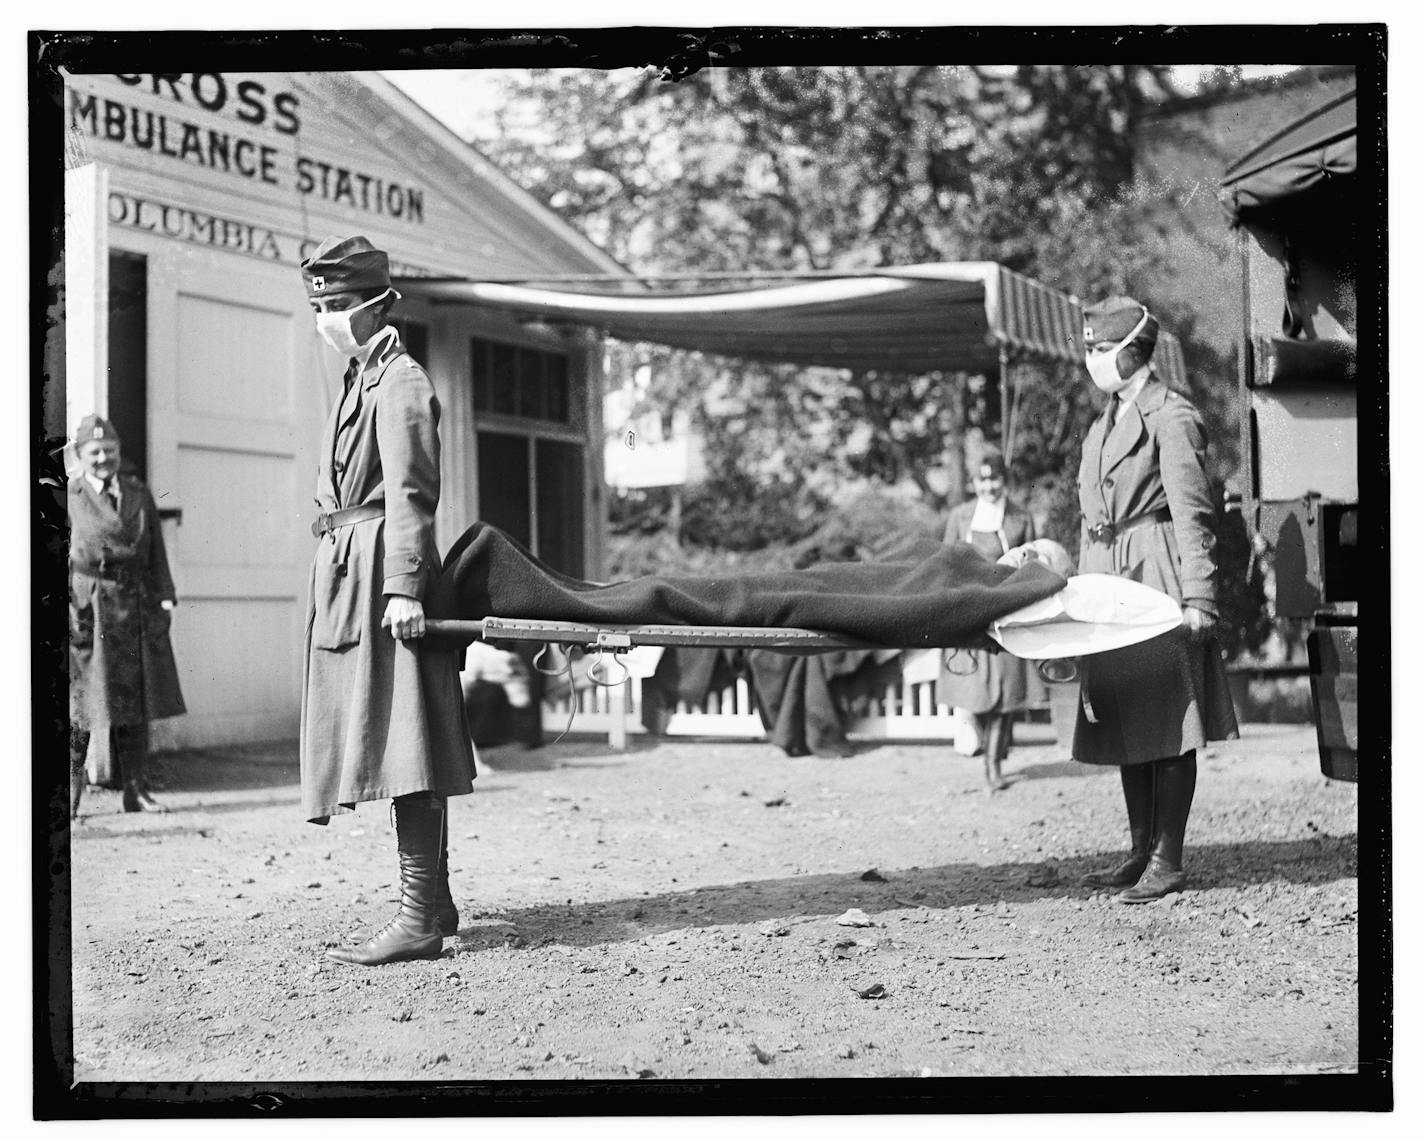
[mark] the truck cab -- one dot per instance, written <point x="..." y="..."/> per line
<point x="1299" y="209"/>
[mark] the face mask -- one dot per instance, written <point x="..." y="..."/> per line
<point x="1102" y="366"/>
<point x="335" y="328"/>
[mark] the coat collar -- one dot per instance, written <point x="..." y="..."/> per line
<point x="1123" y="437"/>
<point x="1153" y="394"/>
<point x="81" y="486"/>
<point x="1131" y="427"/>
<point x="385" y="347"/>
<point x="964" y="516"/>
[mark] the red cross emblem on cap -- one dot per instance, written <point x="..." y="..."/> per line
<point x="98" y="431"/>
<point x="318" y="283"/>
<point x="1088" y="332"/>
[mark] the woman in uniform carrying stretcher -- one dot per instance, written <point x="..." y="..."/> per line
<point x="1148" y="515"/>
<point x="382" y="710"/>
<point x="382" y="715"/>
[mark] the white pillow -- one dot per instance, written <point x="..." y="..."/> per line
<point x="1093" y="613"/>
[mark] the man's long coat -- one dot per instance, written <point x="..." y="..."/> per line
<point x="380" y="717"/>
<point x="121" y="667"/>
<point x="1165" y="696"/>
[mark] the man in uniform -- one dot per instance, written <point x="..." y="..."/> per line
<point x="121" y="669"/>
<point x="383" y="717"/>
<point x="1149" y="515"/>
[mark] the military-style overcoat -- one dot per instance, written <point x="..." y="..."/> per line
<point x="1000" y="683"/>
<point x="121" y="667"/>
<point x="1165" y="696"/>
<point x="380" y="717"/>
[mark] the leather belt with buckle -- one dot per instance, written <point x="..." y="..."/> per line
<point x="1107" y="532"/>
<point x="329" y="521"/>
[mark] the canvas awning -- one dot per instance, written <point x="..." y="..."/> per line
<point x="1312" y="151"/>
<point x="919" y="318"/>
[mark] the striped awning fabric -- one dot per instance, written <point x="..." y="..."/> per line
<point x="950" y="316"/>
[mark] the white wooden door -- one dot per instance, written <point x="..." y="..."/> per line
<point x="229" y="446"/>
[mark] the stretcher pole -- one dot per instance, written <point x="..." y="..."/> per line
<point x="614" y="638"/>
<point x="1006" y="438"/>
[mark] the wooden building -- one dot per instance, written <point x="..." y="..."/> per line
<point x="189" y="202"/>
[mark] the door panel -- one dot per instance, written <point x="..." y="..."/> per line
<point x="229" y="440"/>
<point x="236" y="360"/>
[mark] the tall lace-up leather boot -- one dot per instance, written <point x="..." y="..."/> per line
<point x="412" y="933"/>
<point x="447" y="918"/>
<point x="1175" y="784"/>
<point x="1137" y="782"/>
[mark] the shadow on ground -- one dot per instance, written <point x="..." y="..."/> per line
<point x="1048" y="770"/>
<point x="1316" y="860"/>
<point x="225" y="770"/>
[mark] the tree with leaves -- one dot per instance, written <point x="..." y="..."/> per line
<point x="798" y="169"/>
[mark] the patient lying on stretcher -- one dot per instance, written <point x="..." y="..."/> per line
<point x="1045" y="551"/>
<point x="929" y="595"/>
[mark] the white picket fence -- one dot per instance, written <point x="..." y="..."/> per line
<point x="904" y="711"/>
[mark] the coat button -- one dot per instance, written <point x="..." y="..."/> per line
<point x="415" y="560"/>
<point x="338" y="467"/>
<point x="1107" y="482"/>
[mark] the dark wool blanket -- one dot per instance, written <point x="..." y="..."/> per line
<point x="933" y="594"/>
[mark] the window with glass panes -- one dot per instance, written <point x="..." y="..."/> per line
<point x="516" y="380"/>
<point x="530" y="449"/>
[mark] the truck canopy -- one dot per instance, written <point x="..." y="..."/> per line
<point x="1311" y="154"/>
<point x="918" y="318"/>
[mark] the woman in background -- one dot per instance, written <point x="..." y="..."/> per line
<point x="999" y="684"/>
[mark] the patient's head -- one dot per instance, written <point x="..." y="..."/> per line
<point x="1045" y="551"/>
<point x="1052" y="555"/>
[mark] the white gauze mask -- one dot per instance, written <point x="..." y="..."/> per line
<point x="335" y="328"/>
<point x="1102" y="366"/>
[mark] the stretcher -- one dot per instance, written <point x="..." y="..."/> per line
<point x="613" y="638"/>
<point x="617" y="639"/>
<point x="1093" y="614"/>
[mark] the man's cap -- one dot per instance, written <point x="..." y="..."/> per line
<point x="94" y="427"/>
<point x="1114" y="318"/>
<point x="346" y="265"/>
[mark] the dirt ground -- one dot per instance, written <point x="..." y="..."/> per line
<point x="678" y="911"/>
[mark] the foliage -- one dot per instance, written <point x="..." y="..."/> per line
<point x="868" y="524"/>
<point x="845" y="168"/>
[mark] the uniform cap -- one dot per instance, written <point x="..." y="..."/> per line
<point x="94" y="427"/>
<point x="993" y="460"/>
<point x="1114" y="318"/>
<point x="346" y="265"/>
